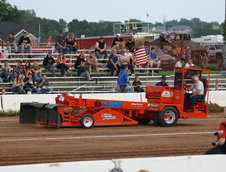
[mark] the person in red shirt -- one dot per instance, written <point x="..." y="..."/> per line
<point x="220" y="144"/>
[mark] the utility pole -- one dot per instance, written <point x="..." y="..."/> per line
<point x="148" y="21"/>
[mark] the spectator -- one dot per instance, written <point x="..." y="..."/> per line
<point x="223" y="68"/>
<point x="36" y="71"/>
<point x="130" y="45"/>
<point x="49" y="40"/>
<point x="29" y="85"/>
<point x="123" y="80"/>
<point x="19" y="69"/>
<point x="118" y="44"/>
<point x="189" y="63"/>
<point x="188" y="53"/>
<point x="126" y="58"/>
<point x="180" y="63"/>
<point x="49" y="63"/>
<point x="43" y="85"/>
<point x="163" y="82"/>
<point x="113" y="63"/>
<point x="18" y="85"/>
<point x="100" y="50"/>
<point x="71" y="44"/>
<point x="60" y="43"/>
<point x="11" y="42"/>
<point x="82" y="71"/>
<point x="61" y="64"/>
<point x="137" y="85"/>
<point x="79" y="60"/>
<point x="7" y="74"/>
<point x="154" y="59"/>
<point x="25" y="43"/>
<point x="91" y="62"/>
<point x="27" y="69"/>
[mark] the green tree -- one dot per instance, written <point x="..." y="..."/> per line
<point x="9" y="12"/>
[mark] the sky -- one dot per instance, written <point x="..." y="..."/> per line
<point x="121" y="10"/>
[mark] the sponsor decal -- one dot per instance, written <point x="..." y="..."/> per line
<point x="153" y="105"/>
<point x="107" y="116"/>
<point x="112" y="104"/>
<point x="136" y="104"/>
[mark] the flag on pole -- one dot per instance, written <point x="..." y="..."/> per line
<point x="141" y="56"/>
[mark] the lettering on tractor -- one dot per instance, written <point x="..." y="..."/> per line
<point x="107" y="116"/>
<point x="165" y="105"/>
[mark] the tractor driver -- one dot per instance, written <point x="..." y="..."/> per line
<point x="197" y="92"/>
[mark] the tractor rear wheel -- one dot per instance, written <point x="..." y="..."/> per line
<point x="87" y="121"/>
<point x="167" y="118"/>
<point x="144" y="121"/>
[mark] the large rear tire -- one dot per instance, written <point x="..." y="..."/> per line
<point x="87" y="121"/>
<point x="166" y="118"/>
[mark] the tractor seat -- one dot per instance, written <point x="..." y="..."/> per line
<point x="200" y="100"/>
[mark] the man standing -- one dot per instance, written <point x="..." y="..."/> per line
<point x="163" y="82"/>
<point x="197" y="92"/>
<point x="154" y="59"/>
<point x="123" y="80"/>
<point x="24" y="43"/>
<point x="60" y="44"/>
<point x="11" y="42"/>
<point x="100" y="50"/>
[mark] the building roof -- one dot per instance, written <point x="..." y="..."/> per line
<point x="8" y="27"/>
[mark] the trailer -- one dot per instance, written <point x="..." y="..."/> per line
<point x="164" y="105"/>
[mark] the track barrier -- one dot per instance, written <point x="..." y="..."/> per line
<point x="12" y="102"/>
<point x="200" y="163"/>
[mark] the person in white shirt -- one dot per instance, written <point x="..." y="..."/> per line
<point x="126" y="58"/>
<point x="189" y="63"/>
<point x="197" y="92"/>
<point x="180" y="63"/>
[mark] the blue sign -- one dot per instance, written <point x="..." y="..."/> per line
<point x="112" y="104"/>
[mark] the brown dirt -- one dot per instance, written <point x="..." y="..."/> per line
<point x="44" y="151"/>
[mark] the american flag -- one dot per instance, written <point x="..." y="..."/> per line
<point x="141" y="56"/>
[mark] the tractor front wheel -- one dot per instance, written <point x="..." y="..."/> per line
<point x="167" y="118"/>
<point x="87" y="121"/>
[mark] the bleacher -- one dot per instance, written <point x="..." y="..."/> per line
<point x="102" y="83"/>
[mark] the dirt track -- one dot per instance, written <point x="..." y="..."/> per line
<point x="25" y="144"/>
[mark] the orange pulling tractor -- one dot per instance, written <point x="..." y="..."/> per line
<point x="164" y="105"/>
